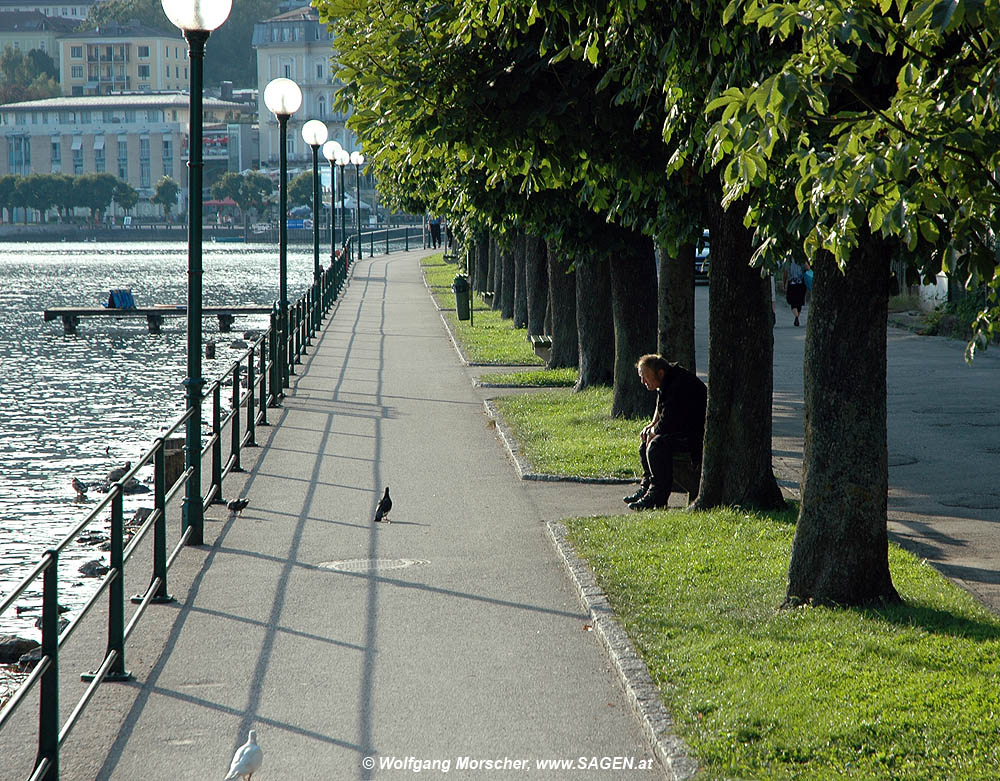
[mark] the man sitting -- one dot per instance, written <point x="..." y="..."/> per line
<point x="678" y="426"/>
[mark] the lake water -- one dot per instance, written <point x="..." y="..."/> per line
<point x="77" y="406"/>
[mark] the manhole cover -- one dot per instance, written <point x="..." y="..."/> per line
<point x="370" y="565"/>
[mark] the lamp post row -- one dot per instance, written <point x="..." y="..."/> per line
<point x="197" y="19"/>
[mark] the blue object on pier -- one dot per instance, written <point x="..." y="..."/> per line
<point x="120" y="299"/>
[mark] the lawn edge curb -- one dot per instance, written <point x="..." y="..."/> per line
<point x="656" y="721"/>
<point x="524" y="468"/>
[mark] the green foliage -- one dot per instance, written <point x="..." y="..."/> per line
<point x="27" y="77"/>
<point x="250" y="191"/>
<point x="125" y="195"/>
<point x="572" y="434"/>
<point x="758" y="692"/>
<point x="300" y="190"/>
<point x="165" y="193"/>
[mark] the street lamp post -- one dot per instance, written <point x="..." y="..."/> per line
<point x="314" y="133"/>
<point x="343" y="160"/>
<point x="330" y="150"/>
<point x="358" y="160"/>
<point x="197" y="19"/>
<point x="282" y="98"/>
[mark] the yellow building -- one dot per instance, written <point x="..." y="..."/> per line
<point x="27" y="30"/>
<point x="122" y="57"/>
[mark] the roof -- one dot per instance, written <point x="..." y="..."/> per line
<point x="34" y="21"/>
<point x="132" y="29"/>
<point x="120" y="101"/>
<point x="306" y="13"/>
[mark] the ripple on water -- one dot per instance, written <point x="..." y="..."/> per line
<point x="113" y="387"/>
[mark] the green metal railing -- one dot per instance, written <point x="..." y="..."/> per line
<point x="264" y="389"/>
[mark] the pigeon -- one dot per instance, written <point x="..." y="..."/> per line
<point x="81" y="489"/>
<point x="238" y="506"/>
<point x="247" y="759"/>
<point x="384" y="505"/>
<point x="118" y="473"/>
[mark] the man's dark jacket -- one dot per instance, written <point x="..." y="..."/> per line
<point x="680" y="409"/>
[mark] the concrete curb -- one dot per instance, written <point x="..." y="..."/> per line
<point x="524" y="468"/>
<point x="657" y="723"/>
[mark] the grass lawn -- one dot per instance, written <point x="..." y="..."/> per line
<point x="540" y="378"/>
<point x="808" y="693"/>
<point x="439" y="276"/>
<point x="560" y="432"/>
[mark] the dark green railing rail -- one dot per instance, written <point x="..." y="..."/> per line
<point x="264" y="389"/>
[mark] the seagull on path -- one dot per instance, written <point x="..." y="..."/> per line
<point x="384" y="505"/>
<point x="247" y="759"/>
<point x="81" y="489"/>
<point x="238" y="506"/>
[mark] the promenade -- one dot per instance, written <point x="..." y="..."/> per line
<point x="454" y="631"/>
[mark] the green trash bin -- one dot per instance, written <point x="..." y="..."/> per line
<point x="461" y="287"/>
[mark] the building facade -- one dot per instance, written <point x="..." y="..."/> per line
<point x="27" y="30"/>
<point x="76" y="10"/>
<point x="122" y="57"/>
<point x="297" y="46"/>
<point x="138" y="138"/>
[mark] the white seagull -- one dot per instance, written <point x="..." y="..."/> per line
<point x="247" y="759"/>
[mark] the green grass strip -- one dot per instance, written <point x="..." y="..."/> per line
<point x="560" y="432"/>
<point x="492" y="340"/>
<point x="540" y="378"/>
<point x="907" y="692"/>
<point x="439" y="277"/>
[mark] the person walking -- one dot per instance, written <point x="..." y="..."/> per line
<point x="795" y="287"/>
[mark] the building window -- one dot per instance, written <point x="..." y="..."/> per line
<point x="56" y="152"/>
<point x="321" y="107"/>
<point x="130" y="115"/>
<point x="319" y="70"/>
<point x="84" y="117"/>
<point x="143" y="51"/>
<point x="77" y="161"/>
<point x="168" y="157"/>
<point x="76" y="71"/>
<point x="144" y="177"/>
<point x="76" y="52"/>
<point x="99" y="160"/>
<point x="123" y="160"/>
<point x="288" y="71"/>
<point x="19" y="155"/>
<point x="154" y="115"/>
<point x="143" y="71"/>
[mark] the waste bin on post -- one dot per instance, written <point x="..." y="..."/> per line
<point x="461" y="287"/>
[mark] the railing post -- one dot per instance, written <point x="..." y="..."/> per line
<point x="310" y="314"/>
<point x="234" y="441"/>
<point x="48" y="704"/>
<point x="217" y="444"/>
<point x="276" y="371"/>
<point x="159" y="527"/>
<point x="264" y="376"/>
<point x="386" y="241"/>
<point x="371" y="241"/>
<point x="251" y="402"/>
<point x="406" y="237"/>
<point x="293" y="347"/>
<point x="116" y="592"/>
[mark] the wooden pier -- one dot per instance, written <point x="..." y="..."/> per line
<point x="154" y="314"/>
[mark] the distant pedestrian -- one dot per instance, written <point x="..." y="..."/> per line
<point x="795" y="287"/>
<point x="434" y="223"/>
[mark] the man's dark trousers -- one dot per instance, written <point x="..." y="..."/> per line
<point x="657" y="458"/>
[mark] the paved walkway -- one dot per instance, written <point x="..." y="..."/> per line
<point x="468" y="639"/>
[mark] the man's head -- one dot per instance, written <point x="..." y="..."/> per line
<point x="651" y="369"/>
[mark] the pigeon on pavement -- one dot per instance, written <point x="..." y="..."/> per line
<point x="238" y="506"/>
<point x="247" y="759"/>
<point x="384" y="505"/>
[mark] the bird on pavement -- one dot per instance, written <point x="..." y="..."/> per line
<point x="81" y="489"/>
<point x="238" y="506"/>
<point x="384" y="505"/>
<point x="247" y="759"/>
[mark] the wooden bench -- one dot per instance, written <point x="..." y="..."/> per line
<point x="541" y="344"/>
<point x="487" y="296"/>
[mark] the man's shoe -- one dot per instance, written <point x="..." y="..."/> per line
<point x="652" y="500"/>
<point x="643" y="487"/>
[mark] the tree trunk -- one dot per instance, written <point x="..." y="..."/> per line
<point x="520" y="281"/>
<point x="675" y="319"/>
<point x="840" y="553"/>
<point x="536" y="283"/>
<point x="633" y="300"/>
<point x="562" y="291"/>
<point x="482" y="261"/>
<point x="736" y="469"/>
<point x="507" y="292"/>
<point x="594" y="323"/>
<point x="491" y="272"/>
<point x="497" y="276"/>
